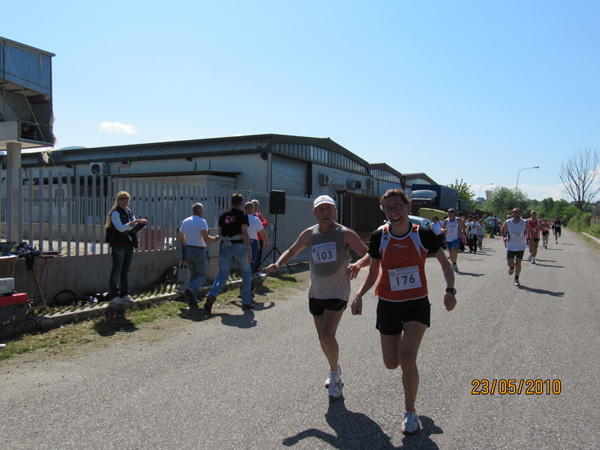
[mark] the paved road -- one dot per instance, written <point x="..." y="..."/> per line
<point x="254" y="380"/>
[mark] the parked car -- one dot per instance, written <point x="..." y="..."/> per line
<point x="422" y="221"/>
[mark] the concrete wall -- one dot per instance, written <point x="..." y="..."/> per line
<point x="89" y="274"/>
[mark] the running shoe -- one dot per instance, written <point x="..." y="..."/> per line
<point x="517" y="281"/>
<point x="455" y="266"/>
<point x="339" y="371"/>
<point x="410" y="423"/>
<point x="208" y="304"/>
<point x="533" y="260"/>
<point x="127" y="299"/>
<point x="530" y="256"/>
<point x="335" y="387"/>
<point x="116" y="301"/>
<point x="511" y="270"/>
<point x="191" y="297"/>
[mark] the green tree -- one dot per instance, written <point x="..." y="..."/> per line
<point x="503" y="200"/>
<point x="464" y="190"/>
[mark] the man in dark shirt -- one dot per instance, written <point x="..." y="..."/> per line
<point x="235" y="246"/>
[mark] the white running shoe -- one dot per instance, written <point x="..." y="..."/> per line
<point x="455" y="267"/>
<point x="511" y="270"/>
<point x="127" y="299"/>
<point x="335" y="387"/>
<point x="116" y="301"/>
<point x="339" y="371"/>
<point x="517" y="282"/>
<point x="532" y="260"/>
<point x="410" y="422"/>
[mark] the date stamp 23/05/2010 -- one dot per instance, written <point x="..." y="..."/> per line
<point x="512" y="386"/>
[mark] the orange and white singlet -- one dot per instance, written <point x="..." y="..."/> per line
<point x="535" y="224"/>
<point x="403" y="266"/>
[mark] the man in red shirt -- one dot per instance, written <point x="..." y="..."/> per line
<point x="261" y="242"/>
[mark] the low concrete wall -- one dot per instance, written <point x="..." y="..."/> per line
<point x="89" y="274"/>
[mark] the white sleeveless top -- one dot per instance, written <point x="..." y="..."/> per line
<point x="452" y="227"/>
<point x="516" y="235"/>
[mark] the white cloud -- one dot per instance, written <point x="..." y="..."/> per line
<point x="541" y="192"/>
<point x="117" y="128"/>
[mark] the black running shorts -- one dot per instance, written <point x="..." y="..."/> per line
<point x="392" y="315"/>
<point x="317" y="307"/>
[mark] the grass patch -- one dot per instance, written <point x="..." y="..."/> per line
<point x="144" y="313"/>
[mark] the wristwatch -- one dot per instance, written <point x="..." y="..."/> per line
<point x="451" y="290"/>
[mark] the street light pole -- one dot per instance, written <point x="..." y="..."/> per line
<point x="525" y="168"/>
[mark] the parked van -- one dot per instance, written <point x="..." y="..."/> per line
<point x="429" y="213"/>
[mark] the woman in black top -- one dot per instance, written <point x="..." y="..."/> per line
<point x="123" y="240"/>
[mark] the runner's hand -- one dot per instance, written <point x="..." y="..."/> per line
<point x="272" y="268"/>
<point x="352" y="271"/>
<point x="356" y="306"/>
<point x="449" y="301"/>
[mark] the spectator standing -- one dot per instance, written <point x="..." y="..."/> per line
<point x="122" y="238"/>
<point x="261" y="242"/>
<point x="235" y="247"/>
<point x="194" y="231"/>
<point x="436" y="226"/>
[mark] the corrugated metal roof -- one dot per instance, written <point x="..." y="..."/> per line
<point x="183" y="149"/>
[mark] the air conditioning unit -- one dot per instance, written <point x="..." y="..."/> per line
<point x="98" y="168"/>
<point x="324" y="179"/>
<point x="370" y="183"/>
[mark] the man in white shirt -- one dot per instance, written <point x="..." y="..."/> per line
<point x="194" y="230"/>
<point x="514" y="231"/>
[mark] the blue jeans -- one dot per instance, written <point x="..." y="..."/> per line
<point x="121" y="261"/>
<point x="197" y="263"/>
<point x="239" y="254"/>
<point x="254" y="245"/>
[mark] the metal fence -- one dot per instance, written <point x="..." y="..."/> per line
<point x="67" y="213"/>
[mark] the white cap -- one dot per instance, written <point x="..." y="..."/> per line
<point x="323" y="199"/>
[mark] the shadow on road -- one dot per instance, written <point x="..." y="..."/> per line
<point x="542" y="291"/>
<point x="469" y="274"/>
<point x="540" y="262"/>
<point x="114" y="321"/>
<point x="357" y="431"/>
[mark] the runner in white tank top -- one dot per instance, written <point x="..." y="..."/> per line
<point x="514" y="231"/>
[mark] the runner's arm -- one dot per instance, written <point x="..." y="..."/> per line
<point x="352" y="240"/>
<point x="300" y="244"/>
<point x="449" y="298"/>
<point x="368" y="283"/>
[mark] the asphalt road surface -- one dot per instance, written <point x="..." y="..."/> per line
<point x="254" y="379"/>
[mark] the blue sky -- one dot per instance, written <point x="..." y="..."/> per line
<point x="472" y="90"/>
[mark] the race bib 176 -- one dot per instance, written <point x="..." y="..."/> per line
<point x="404" y="278"/>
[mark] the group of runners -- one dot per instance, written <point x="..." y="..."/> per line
<point x="520" y="234"/>
<point x="399" y="250"/>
